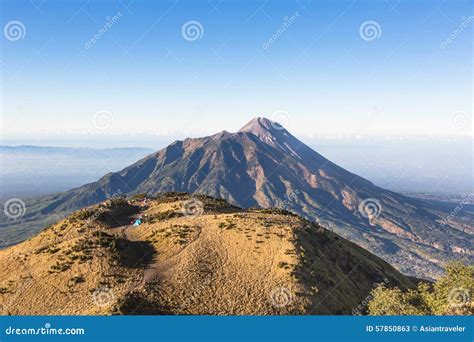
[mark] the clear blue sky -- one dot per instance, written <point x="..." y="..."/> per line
<point x="319" y="74"/>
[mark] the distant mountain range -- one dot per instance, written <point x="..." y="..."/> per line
<point x="40" y="170"/>
<point x="85" y="151"/>
<point x="264" y="165"/>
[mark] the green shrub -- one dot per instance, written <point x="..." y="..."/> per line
<point x="83" y="214"/>
<point x="450" y="295"/>
<point x="77" y="280"/>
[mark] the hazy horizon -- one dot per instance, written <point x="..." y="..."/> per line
<point x="391" y="164"/>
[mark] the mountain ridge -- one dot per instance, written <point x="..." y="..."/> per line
<point x="264" y="165"/>
<point x="189" y="255"/>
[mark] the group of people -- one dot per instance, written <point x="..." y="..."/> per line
<point x="138" y="221"/>
<point x="141" y="202"/>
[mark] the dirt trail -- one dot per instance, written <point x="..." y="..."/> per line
<point x="155" y="267"/>
<point x="195" y="278"/>
<point x="219" y="262"/>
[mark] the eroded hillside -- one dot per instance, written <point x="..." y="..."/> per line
<point x="187" y="255"/>
<point x="264" y="165"/>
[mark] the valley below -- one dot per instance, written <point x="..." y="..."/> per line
<point x="247" y="223"/>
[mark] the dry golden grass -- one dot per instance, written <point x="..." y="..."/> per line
<point x="222" y="261"/>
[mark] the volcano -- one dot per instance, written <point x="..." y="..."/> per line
<point x="263" y="165"/>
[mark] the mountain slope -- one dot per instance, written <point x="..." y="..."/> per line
<point x="191" y="255"/>
<point x="264" y="165"/>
